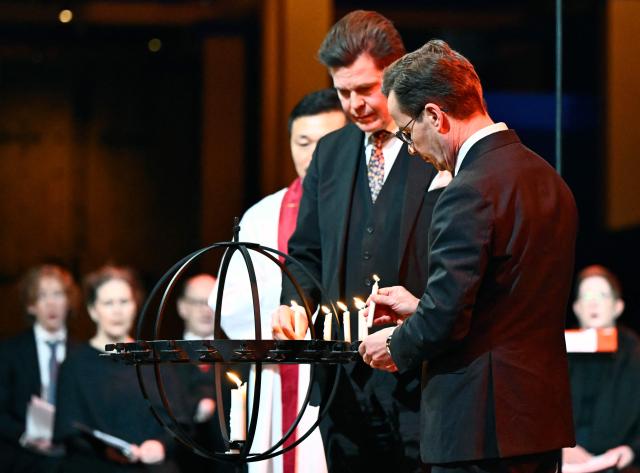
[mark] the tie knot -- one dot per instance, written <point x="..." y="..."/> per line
<point x="380" y="137"/>
<point x="53" y="344"/>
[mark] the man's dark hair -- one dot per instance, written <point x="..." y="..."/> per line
<point x="435" y="73"/>
<point x="361" y="32"/>
<point x="321" y="101"/>
<point x="600" y="271"/>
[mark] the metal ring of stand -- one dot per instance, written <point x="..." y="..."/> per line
<point x="295" y="351"/>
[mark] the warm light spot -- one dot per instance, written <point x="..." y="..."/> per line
<point x="342" y="306"/>
<point x="325" y="309"/>
<point x="65" y="16"/>
<point x="359" y="303"/>
<point x="234" y="377"/>
<point x="376" y="278"/>
<point x="294" y="305"/>
<point x="154" y="45"/>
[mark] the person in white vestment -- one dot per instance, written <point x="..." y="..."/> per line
<point x="270" y="223"/>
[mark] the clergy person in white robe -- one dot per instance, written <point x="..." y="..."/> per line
<point x="270" y="223"/>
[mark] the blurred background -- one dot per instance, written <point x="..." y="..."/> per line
<point x="133" y="132"/>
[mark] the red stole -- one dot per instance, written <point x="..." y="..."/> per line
<point x="289" y="373"/>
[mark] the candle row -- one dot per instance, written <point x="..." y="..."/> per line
<point x="364" y="323"/>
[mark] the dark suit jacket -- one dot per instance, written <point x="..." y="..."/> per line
<point x="374" y="416"/>
<point x="321" y="232"/>
<point x="19" y="380"/>
<point x="491" y="320"/>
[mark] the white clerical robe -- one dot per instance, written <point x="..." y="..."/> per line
<point x="260" y="225"/>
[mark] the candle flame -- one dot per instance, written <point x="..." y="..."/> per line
<point x="325" y="309"/>
<point x="359" y="303"/>
<point x="376" y="278"/>
<point x="342" y="306"/>
<point x="234" y="377"/>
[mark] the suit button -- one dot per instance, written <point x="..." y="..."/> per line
<point x="366" y="255"/>
<point x="367" y="282"/>
<point x="369" y="230"/>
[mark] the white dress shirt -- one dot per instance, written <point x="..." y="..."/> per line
<point x="44" y="352"/>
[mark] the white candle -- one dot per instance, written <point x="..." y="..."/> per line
<point x="238" y="415"/>
<point x="299" y="315"/>
<point x="363" y="330"/>
<point x="372" y="305"/>
<point x="327" y="323"/>
<point x="346" y="322"/>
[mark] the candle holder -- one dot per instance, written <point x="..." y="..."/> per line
<point x="221" y="350"/>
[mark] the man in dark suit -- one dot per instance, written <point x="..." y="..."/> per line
<point x="364" y="211"/>
<point x="29" y="364"/>
<point x="491" y="319"/>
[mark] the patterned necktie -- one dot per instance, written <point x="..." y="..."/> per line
<point x="53" y="372"/>
<point x="375" y="171"/>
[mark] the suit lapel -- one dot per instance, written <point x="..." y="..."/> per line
<point x="338" y="201"/>
<point x="31" y="361"/>
<point x="419" y="176"/>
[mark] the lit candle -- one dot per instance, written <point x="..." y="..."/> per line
<point x="299" y="314"/>
<point x="238" y="415"/>
<point x="372" y="305"/>
<point x="346" y="322"/>
<point x="363" y="330"/>
<point x="327" y="323"/>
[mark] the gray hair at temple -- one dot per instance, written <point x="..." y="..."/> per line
<point x="435" y="73"/>
<point x="359" y="32"/>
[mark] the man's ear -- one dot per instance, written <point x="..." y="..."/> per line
<point x="437" y="117"/>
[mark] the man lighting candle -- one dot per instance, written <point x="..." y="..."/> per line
<point x="364" y="206"/>
<point x="496" y="394"/>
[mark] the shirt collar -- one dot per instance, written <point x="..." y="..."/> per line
<point x="390" y="128"/>
<point x="44" y="336"/>
<point x="473" y="139"/>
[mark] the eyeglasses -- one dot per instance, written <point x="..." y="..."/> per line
<point x="404" y="133"/>
<point x="405" y="136"/>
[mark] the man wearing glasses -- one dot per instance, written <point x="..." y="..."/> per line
<point x="491" y="320"/>
<point x="365" y="210"/>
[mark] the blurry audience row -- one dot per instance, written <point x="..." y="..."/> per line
<point x="43" y="367"/>
<point x="90" y="392"/>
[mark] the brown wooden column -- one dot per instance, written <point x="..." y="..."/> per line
<point x="223" y="136"/>
<point x="623" y="107"/>
<point x="292" y="31"/>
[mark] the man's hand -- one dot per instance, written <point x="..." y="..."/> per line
<point x="624" y="454"/>
<point x="287" y="324"/>
<point x="151" y="452"/>
<point x="205" y="410"/>
<point x="393" y="305"/>
<point x="576" y="454"/>
<point x="373" y="350"/>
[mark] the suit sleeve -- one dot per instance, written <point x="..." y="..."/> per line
<point x="305" y="243"/>
<point x="459" y="254"/>
<point x="10" y="427"/>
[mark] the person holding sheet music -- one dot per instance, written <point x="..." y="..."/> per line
<point x="605" y="386"/>
<point x="94" y="393"/>
<point x="29" y="368"/>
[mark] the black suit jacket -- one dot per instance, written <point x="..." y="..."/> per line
<point x="19" y="380"/>
<point x="491" y="320"/>
<point x="373" y="421"/>
<point x="321" y="233"/>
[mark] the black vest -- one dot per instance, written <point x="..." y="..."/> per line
<point x="373" y="233"/>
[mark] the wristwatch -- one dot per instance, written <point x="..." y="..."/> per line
<point x="389" y="342"/>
